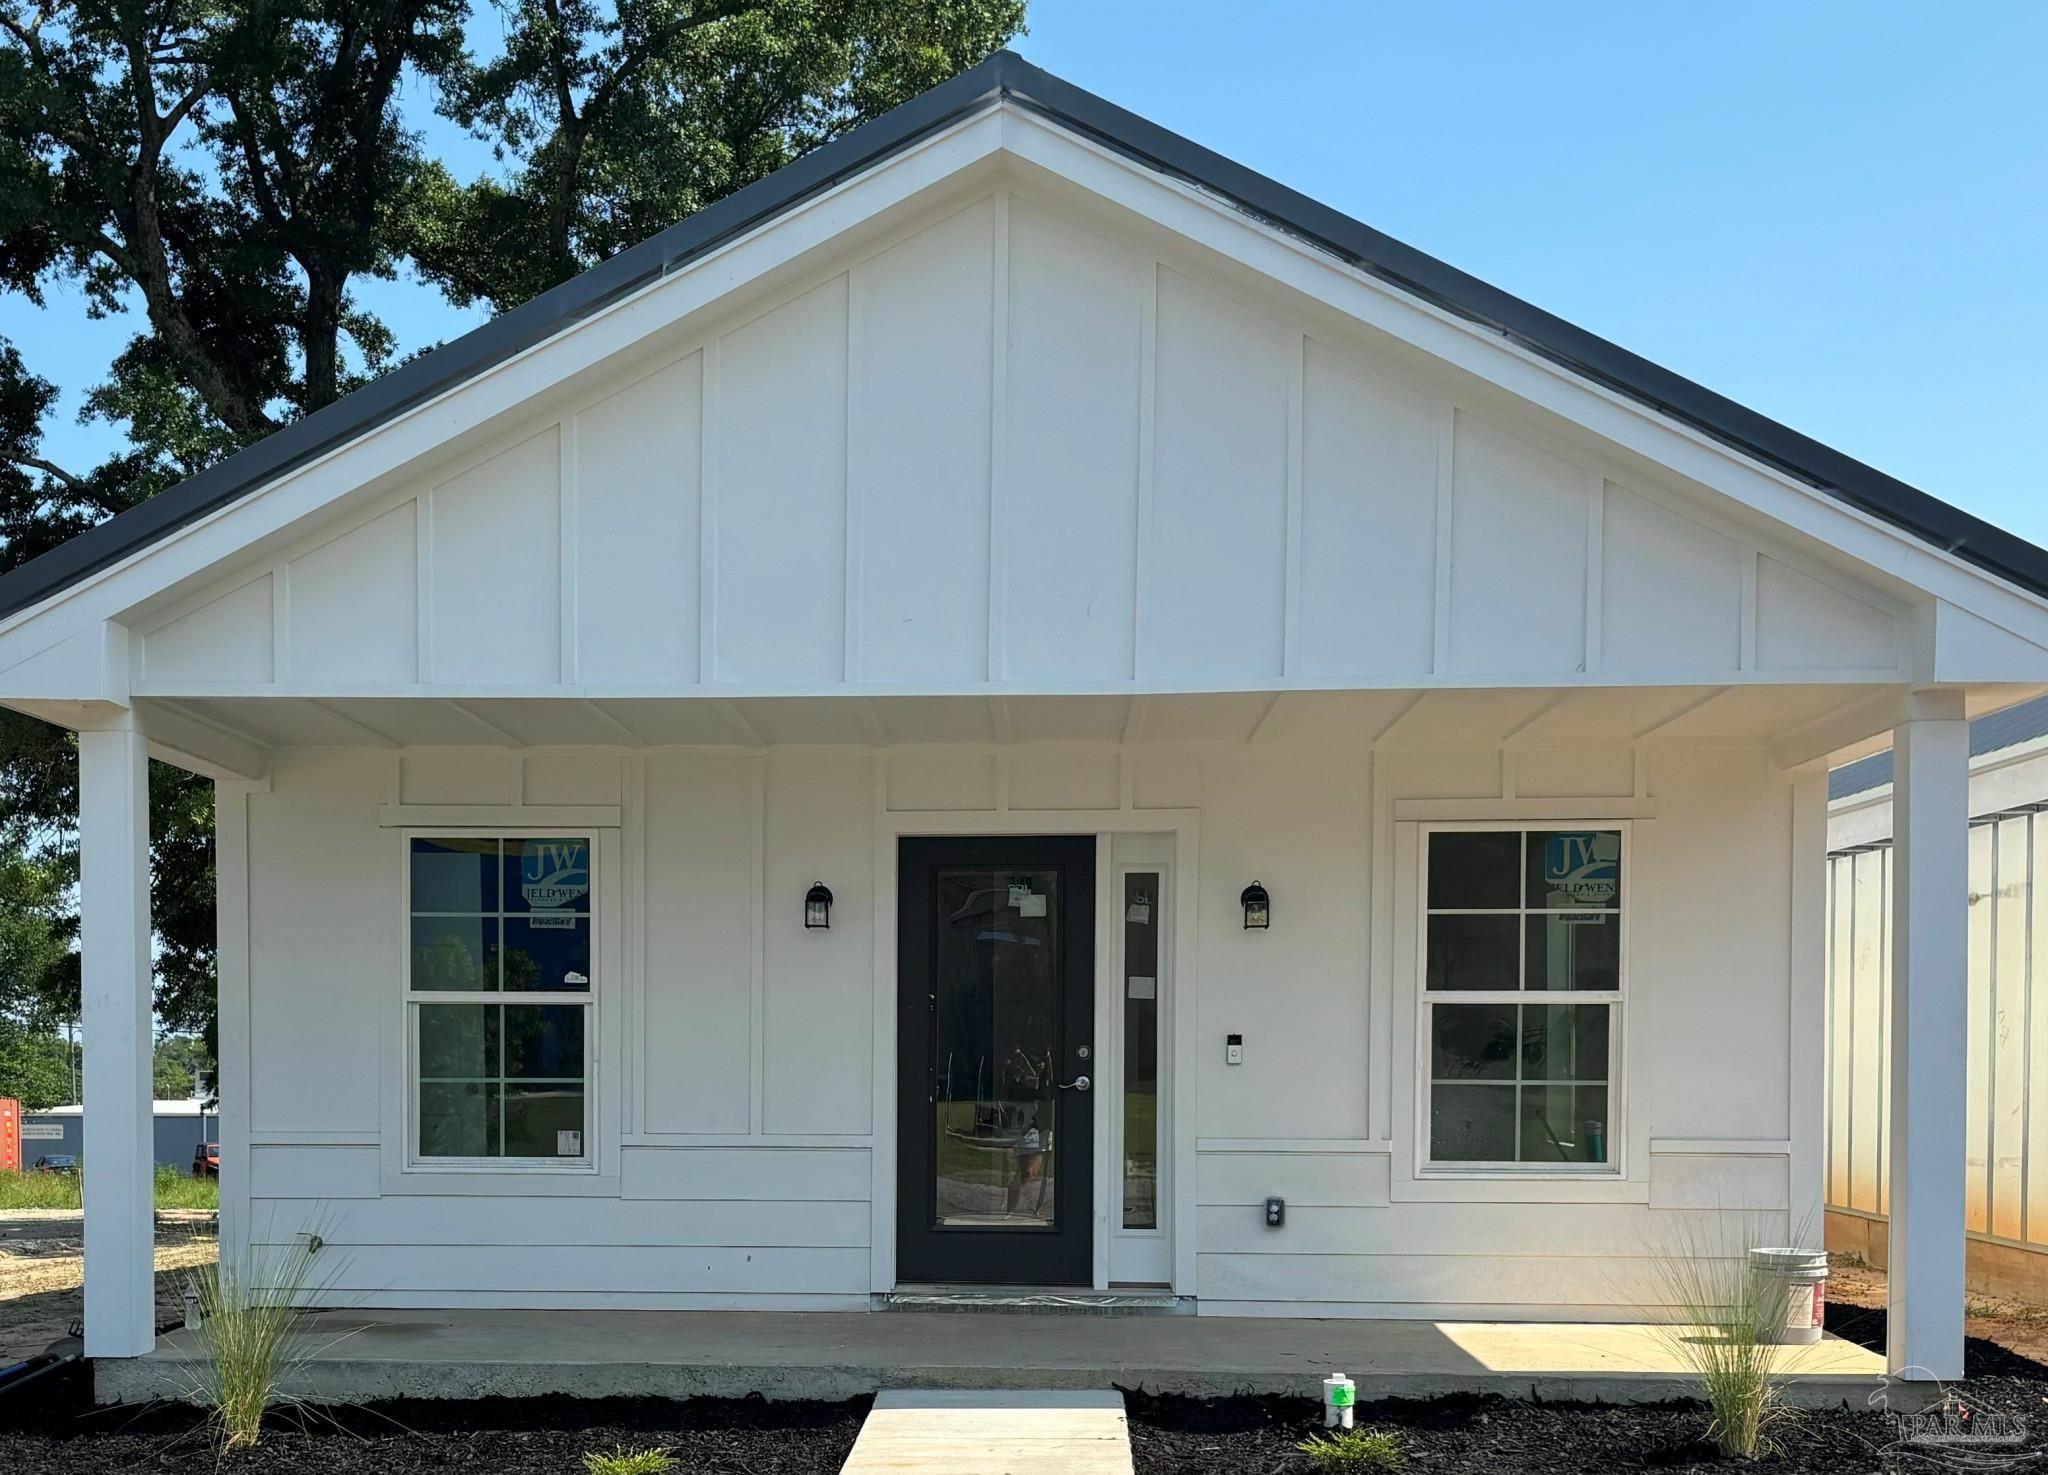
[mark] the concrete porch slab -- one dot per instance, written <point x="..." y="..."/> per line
<point x="363" y="1354"/>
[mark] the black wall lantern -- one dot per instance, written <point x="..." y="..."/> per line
<point x="818" y="907"/>
<point x="1258" y="908"/>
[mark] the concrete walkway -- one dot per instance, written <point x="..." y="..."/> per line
<point x="358" y="1355"/>
<point x="993" y="1432"/>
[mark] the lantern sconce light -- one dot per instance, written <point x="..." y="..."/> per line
<point x="817" y="907"/>
<point x="1258" y="908"/>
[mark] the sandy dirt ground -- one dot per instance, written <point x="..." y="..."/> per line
<point x="42" y="1272"/>
<point x="2017" y="1326"/>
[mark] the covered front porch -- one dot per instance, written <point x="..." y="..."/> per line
<point x="363" y="1355"/>
<point x="1252" y="775"/>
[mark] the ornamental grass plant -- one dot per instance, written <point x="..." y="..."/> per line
<point x="254" y="1335"/>
<point x="1722" y="1322"/>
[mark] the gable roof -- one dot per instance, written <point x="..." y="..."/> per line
<point x="1008" y="77"/>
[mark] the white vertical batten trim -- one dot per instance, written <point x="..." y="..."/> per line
<point x="1290" y="587"/>
<point x="757" y="962"/>
<point x="1746" y="651"/>
<point x="281" y="621"/>
<point x="633" y="848"/>
<point x="1379" y="951"/>
<point x="1596" y="553"/>
<point x="855" y="568"/>
<point x="423" y="580"/>
<point x="1446" y="511"/>
<point x="882" y="1157"/>
<point x="568" y="512"/>
<point x="998" y="436"/>
<point x="1148" y="390"/>
<point x="231" y="924"/>
<point x="707" y="513"/>
<point x="1807" y="1039"/>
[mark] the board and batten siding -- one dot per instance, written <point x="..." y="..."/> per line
<point x="742" y="1165"/>
<point x="2006" y="1122"/>
<point x="1023" y="446"/>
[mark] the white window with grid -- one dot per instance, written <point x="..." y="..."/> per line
<point x="1524" y="970"/>
<point x="501" y="963"/>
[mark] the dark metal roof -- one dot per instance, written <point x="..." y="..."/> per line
<point x="1990" y="734"/>
<point x="1009" y="76"/>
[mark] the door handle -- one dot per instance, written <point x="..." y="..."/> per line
<point x="1078" y="1083"/>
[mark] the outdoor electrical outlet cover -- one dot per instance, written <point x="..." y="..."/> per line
<point x="1276" y="1212"/>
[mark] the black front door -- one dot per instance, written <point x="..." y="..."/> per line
<point x="995" y="1050"/>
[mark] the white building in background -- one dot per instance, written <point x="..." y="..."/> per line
<point x="177" y="1128"/>
<point x="2005" y="1149"/>
<point x="1287" y="730"/>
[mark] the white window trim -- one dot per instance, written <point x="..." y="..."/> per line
<point x="586" y="1166"/>
<point x="1615" y="1168"/>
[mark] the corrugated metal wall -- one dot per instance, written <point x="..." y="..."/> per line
<point x="2007" y="1123"/>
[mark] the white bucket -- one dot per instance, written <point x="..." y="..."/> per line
<point x="1801" y="1278"/>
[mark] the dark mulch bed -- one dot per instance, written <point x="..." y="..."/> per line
<point x="59" y="1434"/>
<point x="55" y="1429"/>
<point x="1493" y="1436"/>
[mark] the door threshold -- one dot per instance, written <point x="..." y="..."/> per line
<point x="1041" y="1300"/>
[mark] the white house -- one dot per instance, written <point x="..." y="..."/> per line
<point x="1277" y="719"/>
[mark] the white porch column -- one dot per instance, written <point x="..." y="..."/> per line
<point x="113" y="852"/>
<point x="1930" y="917"/>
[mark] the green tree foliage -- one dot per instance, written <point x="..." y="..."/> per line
<point x="36" y="1067"/>
<point x="225" y="173"/>
<point x="616" y="120"/>
<point x="183" y="1063"/>
<point x="35" y="961"/>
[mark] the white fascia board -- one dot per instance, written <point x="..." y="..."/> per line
<point x="89" y="663"/>
<point x="1220" y="226"/>
<point x="1968" y="648"/>
<point x="501" y="392"/>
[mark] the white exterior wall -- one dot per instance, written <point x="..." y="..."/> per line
<point x="744" y="1147"/>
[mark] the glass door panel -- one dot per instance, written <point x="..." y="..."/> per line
<point x="996" y="1022"/>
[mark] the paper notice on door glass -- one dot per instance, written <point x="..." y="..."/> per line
<point x="1143" y="987"/>
<point x="568" y="1144"/>
<point x="1031" y="906"/>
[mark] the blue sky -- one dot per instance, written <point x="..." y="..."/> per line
<point x="1836" y="213"/>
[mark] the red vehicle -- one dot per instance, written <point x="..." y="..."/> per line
<point x="206" y="1160"/>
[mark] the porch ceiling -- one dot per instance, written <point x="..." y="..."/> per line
<point x="1678" y="715"/>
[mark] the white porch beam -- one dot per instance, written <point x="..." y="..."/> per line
<point x="120" y="1157"/>
<point x="1857" y="725"/>
<point x="183" y="739"/>
<point x="1930" y="921"/>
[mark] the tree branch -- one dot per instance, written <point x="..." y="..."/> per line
<point x="51" y="468"/>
